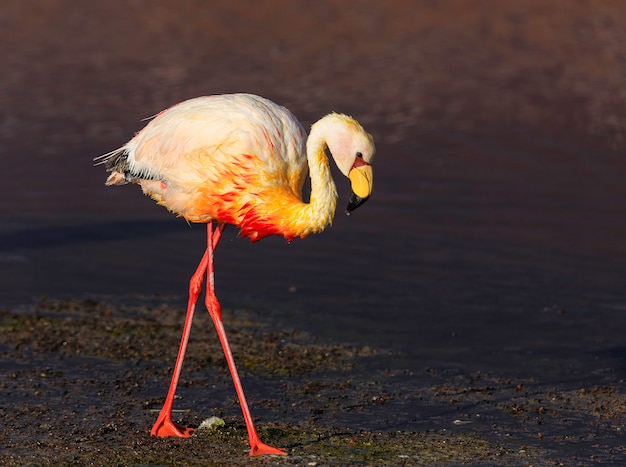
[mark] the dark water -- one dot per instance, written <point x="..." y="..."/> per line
<point x="500" y="256"/>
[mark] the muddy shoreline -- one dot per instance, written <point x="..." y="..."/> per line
<point x="86" y="379"/>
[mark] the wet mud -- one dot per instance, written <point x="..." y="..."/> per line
<point x="86" y="380"/>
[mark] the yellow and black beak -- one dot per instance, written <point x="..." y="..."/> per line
<point x="361" y="181"/>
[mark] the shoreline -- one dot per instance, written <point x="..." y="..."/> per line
<point x="92" y="375"/>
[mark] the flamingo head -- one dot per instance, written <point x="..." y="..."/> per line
<point x="353" y="150"/>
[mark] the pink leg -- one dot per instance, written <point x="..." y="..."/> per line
<point x="257" y="448"/>
<point x="164" y="426"/>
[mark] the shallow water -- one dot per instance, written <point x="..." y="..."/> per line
<point x="470" y="254"/>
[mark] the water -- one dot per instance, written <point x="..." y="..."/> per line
<point x="471" y="254"/>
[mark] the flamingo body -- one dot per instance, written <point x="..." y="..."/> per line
<point x="240" y="159"/>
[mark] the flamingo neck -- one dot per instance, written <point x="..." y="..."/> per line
<point x="323" y="200"/>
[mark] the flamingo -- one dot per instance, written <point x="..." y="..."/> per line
<point x="240" y="159"/>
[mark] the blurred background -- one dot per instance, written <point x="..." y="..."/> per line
<point x="494" y="240"/>
<point x="499" y="127"/>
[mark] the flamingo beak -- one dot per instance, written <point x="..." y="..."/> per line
<point x="361" y="182"/>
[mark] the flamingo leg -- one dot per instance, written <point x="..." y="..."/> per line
<point x="257" y="448"/>
<point x="164" y="426"/>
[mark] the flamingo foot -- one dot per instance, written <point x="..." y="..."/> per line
<point x="260" y="449"/>
<point x="164" y="426"/>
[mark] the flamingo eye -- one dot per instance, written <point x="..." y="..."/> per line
<point x="359" y="155"/>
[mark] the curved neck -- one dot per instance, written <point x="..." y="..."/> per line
<point x="323" y="199"/>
